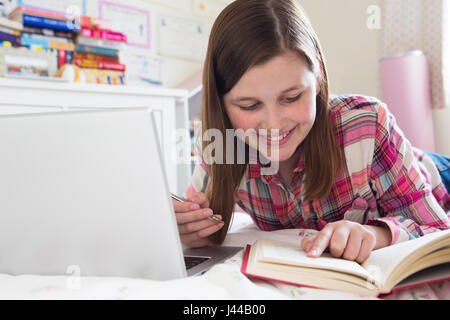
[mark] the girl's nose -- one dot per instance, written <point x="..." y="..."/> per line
<point x="273" y="118"/>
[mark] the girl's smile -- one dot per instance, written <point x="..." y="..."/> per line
<point x="278" y="139"/>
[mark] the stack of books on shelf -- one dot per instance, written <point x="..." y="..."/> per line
<point x="98" y="50"/>
<point x="46" y="40"/>
<point x="10" y="32"/>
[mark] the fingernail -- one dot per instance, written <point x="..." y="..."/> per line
<point x="313" y="252"/>
<point x="195" y="206"/>
<point x="207" y="212"/>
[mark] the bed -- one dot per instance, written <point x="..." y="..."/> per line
<point x="222" y="282"/>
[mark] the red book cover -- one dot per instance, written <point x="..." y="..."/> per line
<point x="85" y="63"/>
<point x="61" y="57"/>
<point x="95" y="23"/>
<point x="431" y="275"/>
<point x="102" y="34"/>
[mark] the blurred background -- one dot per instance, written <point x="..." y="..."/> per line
<point x="395" y="50"/>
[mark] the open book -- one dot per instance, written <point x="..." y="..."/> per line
<point x="381" y="274"/>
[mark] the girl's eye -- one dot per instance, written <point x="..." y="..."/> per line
<point x="293" y="99"/>
<point x="249" y="108"/>
<point x="254" y="106"/>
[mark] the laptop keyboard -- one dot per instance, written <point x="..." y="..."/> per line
<point x="192" y="261"/>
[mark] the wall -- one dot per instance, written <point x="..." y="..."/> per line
<point x="352" y="52"/>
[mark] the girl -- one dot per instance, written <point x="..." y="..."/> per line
<point x="344" y="166"/>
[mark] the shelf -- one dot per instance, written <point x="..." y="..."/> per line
<point x="95" y="88"/>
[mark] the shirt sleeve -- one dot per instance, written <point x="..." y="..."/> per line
<point x="404" y="198"/>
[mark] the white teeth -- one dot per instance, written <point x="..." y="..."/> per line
<point x="278" y="138"/>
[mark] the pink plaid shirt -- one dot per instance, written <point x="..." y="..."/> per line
<point x="385" y="180"/>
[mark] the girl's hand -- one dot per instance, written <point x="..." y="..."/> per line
<point x="347" y="239"/>
<point x="192" y="220"/>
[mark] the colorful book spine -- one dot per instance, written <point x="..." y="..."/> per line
<point x="61" y="58"/>
<point x="48" y="32"/>
<point x="42" y="22"/>
<point x="69" y="57"/>
<point x="45" y="44"/>
<point x="101" y="43"/>
<point x="36" y="12"/>
<point x="28" y="42"/>
<point x="15" y="40"/>
<point x="101" y="34"/>
<point x="105" y="65"/>
<point x="98" y="57"/>
<point x="96" y="50"/>
<point x="10" y="31"/>
<point x="104" y="76"/>
<point x="44" y="37"/>
<point x="96" y="23"/>
<point x="61" y="45"/>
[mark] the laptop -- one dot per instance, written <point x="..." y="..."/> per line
<point x="88" y="189"/>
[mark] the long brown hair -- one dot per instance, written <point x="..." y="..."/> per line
<point x="249" y="33"/>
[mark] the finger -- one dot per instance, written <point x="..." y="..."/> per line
<point x="179" y="206"/>
<point x="186" y="217"/>
<point x="197" y="243"/>
<point x="338" y="241"/>
<point x="353" y="246"/>
<point x="199" y="198"/>
<point x="196" y="225"/>
<point x="321" y="242"/>
<point x="367" y="245"/>
<point x="195" y="236"/>
<point x="307" y="242"/>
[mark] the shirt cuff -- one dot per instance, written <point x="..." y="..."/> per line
<point x="397" y="233"/>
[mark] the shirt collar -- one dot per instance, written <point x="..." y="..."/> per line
<point x="254" y="171"/>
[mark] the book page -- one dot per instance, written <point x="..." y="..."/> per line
<point x="292" y="254"/>
<point x="382" y="262"/>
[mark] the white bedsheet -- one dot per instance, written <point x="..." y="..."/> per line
<point x="223" y="281"/>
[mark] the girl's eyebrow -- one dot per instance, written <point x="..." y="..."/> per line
<point x="284" y="91"/>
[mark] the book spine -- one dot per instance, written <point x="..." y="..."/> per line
<point x="98" y="57"/>
<point x="9" y="37"/>
<point x="69" y="57"/>
<point x="95" y="23"/>
<point x="61" y="45"/>
<point x="28" y="42"/>
<point x="54" y="53"/>
<point x="10" y="31"/>
<point x="100" y="43"/>
<point x="104" y="76"/>
<point x="44" y="37"/>
<point x="85" y="63"/>
<point x="48" y="32"/>
<point x="61" y="58"/>
<point x="9" y="23"/>
<point x="37" y="12"/>
<point x="101" y="34"/>
<point x="35" y="21"/>
<point x="96" y="50"/>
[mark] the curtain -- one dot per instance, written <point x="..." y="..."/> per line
<point x="421" y="25"/>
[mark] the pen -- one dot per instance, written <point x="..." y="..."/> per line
<point x="213" y="218"/>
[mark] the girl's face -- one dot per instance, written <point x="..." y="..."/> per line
<point x="280" y="94"/>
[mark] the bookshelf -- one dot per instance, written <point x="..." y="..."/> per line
<point x="170" y="105"/>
